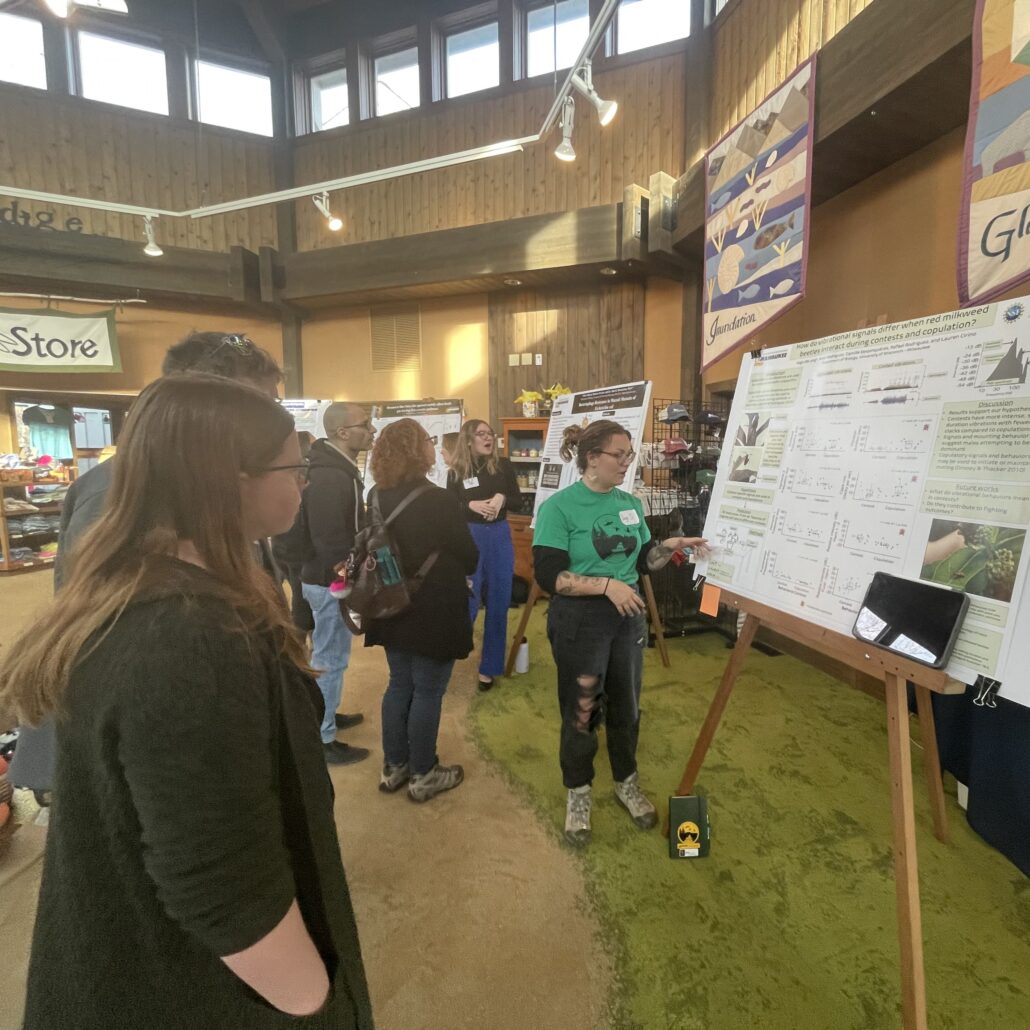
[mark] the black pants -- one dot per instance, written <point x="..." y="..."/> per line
<point x="303" y="618"/>
<point x="600" y="659"/>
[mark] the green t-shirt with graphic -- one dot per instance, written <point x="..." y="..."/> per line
<point x="603" y="533"/>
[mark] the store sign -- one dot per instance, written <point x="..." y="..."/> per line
<point x="16" y="213"/>
<point x="47" y="341"/>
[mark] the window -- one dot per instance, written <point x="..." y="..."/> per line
<point x="573" y="27"/>
<point x="330" y="102"/>
<point x="234" y="98"/>
<point x="644" y="23"/>
<point x="719" y="5"/>
<point x="473" y="60"/>
<point x="21" y="51"/>
<point x="116" y="71"/>
<point x="396" y="81"/>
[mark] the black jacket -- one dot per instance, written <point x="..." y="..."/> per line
<point x="503" y="481"/>
<point x="82" y="507"/>
<point x="333" y="510"/>
<point x="437" y="624"/>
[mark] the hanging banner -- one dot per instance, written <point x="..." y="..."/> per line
<point x="899" y="448"/>
<point x="50" y="341"/>
<point x="994" y="228"/>
<point x="437" y="418"/>
<point x="628" y="404"/>
<point x="757" y="199"/>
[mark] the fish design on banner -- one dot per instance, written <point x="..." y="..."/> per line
<point x="749" y="292"/>
<point x="770" y="235"/>
<point x="782" y="287"/>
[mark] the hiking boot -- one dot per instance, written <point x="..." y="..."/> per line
<point x="577" y="815"/>
<point x="394" y="777"/>
<point x="436" y="781"/>
<point x="631" y="797"/>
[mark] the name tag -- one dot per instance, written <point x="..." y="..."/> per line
<point x="470" y="484"/>
<point x="629" y="518"/>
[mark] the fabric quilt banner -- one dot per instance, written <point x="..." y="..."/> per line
<point x="52" y="341"/>
<point x="757" y="200"/>
<point x="994" y="230"/>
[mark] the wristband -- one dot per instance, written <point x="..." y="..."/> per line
<point x="604" y="593"/>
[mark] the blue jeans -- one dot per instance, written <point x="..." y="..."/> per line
<point x="492" y="583"/>
<point x="411" y="709"/>
<point x="330" y="652"/>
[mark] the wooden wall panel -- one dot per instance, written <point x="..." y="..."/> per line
<point x="758" y="43"/>
<point x="588" y="338"/>
<point x="66" y="145"/>
<point x="647" y="135"/>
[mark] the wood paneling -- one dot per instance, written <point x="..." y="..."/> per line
<point x="758" y="43"/>
<point x="648" y="134"/>
<point x="68" y="145"/>
<point x="587" y="339"/>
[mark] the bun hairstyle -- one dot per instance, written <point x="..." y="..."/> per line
<point x="594" y="438"/>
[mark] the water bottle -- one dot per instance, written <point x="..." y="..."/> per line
<point x="522" y="658"/>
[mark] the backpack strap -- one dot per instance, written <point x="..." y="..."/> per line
<point x="417" y="492"/>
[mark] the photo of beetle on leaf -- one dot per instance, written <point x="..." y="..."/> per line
<point x="978" y="559"/>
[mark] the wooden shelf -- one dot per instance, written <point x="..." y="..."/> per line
<point x="29" y="563"/>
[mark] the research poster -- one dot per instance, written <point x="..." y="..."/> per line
<point x="628" y="404"/>
<point x="901" y="448"/>
<point x="437" y="418"/>
<point x="307" y="415"/>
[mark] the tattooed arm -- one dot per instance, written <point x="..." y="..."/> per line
<point x="658" y="555"/>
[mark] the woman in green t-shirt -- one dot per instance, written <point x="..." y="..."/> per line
<point x="590" y="546"/>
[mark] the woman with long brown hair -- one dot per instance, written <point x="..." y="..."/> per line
<point x="192" y="875"/>
<point x="422" y="642"/>
<point x="485" y="482"/>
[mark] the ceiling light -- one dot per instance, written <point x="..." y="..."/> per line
<point x="321" y="201"/>
<point x="564" y="151"/>
<point x="151" y="249"/>
<point x="584" y="82"/>
<point x="608" y="270"/>
<point x="512" y="282"/>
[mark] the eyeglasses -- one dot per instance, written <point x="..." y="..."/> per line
<point x="485" y="434"/>
<point x="367" y="424"/>
<point x="300" y="471"/>
<point x="622" y="457"/>
<point x="240" y="344"/>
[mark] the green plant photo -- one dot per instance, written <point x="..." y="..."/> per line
<point x="974" y="558"/>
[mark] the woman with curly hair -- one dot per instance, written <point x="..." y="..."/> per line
<point x="423" y="642"/>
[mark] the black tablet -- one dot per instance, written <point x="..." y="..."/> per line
<point x="910" y="618"/>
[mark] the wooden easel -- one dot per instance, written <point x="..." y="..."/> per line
<point x="536" y="592"/>
<point x="895" y="671"/>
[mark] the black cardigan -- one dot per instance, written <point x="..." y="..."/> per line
<point x="191" y="805"/>
<point x="502" y="481"/>
<point x="437" y="624"/>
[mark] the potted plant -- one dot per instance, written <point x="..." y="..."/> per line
<point x="530" y="401"/>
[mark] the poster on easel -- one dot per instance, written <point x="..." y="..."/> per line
<point x="628" y="404"/>
<point x="901" y="448"/>
<point x="437" y="418"/>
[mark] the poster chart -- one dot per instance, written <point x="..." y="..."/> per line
<point x="901" y="448"/>
<point x="307" y="415"/>
<point x="629" y="405"/>
<point x="436" y="417"/>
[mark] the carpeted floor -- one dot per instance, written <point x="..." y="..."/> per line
<point x="790" y="923"/>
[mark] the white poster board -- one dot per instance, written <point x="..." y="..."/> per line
<point x="307" y="415"/>
<point x="437" y="418"/>
<point x="628" y="404"/>
<point x="901" y="448"/>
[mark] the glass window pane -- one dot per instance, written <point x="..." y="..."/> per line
<point x="21" y="51"/>
<point x="397" y="87"/>
<point x="118" y="72"/>
<point x="329" y="100"/>
<point x="573" y="24"/>
<point x="234" y="99"/>
<point x="644" y="23"/>
<point x="473" y="60"/>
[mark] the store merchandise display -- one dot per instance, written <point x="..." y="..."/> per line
<point x="30" y="516"/>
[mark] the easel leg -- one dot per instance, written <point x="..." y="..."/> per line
<point x="906" y="865"/>
<point x="535" y="593"/>
<point x="659" y="633"/>
<point x="932" y="764"/>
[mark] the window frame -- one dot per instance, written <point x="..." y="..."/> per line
<point x="128" y="35"/>
<point x="46" y="70"/>
<point x="303" y="73"/>
<point x="235" y="62"/>
<point x="521" y="56"/>
<point x="612" y="35"/>
<point x="386" y="46"/>
<point x="465" y="20"/>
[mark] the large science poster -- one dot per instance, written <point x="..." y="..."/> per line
<point x="757" y="201"/>
<point x="436" y="417"/>
<point x="901" y="448"/>
<point x="628" y="404"/>
<point x="994" y="234"/>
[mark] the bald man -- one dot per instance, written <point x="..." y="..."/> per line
<point x="333" y="510"/>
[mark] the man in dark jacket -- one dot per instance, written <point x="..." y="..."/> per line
<point x="333" y="510"/>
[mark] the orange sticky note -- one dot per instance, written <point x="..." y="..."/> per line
<point x="710" y="600"/>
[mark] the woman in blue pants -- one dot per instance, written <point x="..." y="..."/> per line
<point x="486" y="485"/>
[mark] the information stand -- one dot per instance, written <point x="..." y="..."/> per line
<point x="896" y="672"/>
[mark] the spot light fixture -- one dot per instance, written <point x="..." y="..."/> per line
<point x="565" y="151"/>
<point x="584" y="82"/>
<point x="151" y="249"/>
<point x="321" y="201"/>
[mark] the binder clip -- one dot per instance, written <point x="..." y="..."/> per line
<point x="987" y="692"/>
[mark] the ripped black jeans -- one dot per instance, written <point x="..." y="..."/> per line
<point x="600" y="659"/>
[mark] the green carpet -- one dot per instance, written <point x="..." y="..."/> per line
<point x="790" y="923"/>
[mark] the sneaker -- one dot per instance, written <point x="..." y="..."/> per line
<point x="631" y="797"/>
<point x="338" y="753"/>
<point x="394" y="777"/>
<point x="436" y="781"/>
<point x="486" y="683"/>
<point x="577" y="815"/>
<point x="345" y="722"/>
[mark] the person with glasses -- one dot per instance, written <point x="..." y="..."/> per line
<point x="590" y="547"/>
<point x="486" y="485"/>
<point x="290" y="550"/>
<point x="332" y="512"/>
<point x="192" y="876"/>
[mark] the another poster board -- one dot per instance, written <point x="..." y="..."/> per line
<point x="307" y="415"/>
<point x="436" y="417"/>
<point x="902" y="448"/>
<point x="628" y="404"/>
